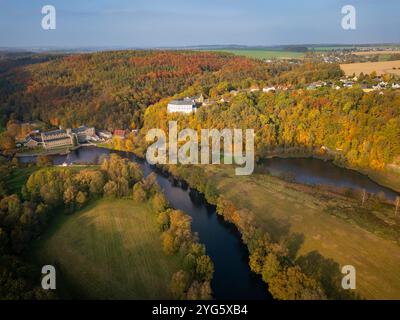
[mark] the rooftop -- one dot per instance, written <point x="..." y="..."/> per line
<point x="183" y="102"/>
<point x="54" y="132"/>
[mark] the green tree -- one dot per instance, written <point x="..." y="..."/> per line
<point x="139" y="195"/>
<point x="168" y="241"/>
<point x="163" y="221"/>
<point x="111" y="189"/>
<point x="292" y="284"/>
<point x="179" y="284"/>
<point x="189" y="263"/>
<point x="271" y="267"/>
<point x="204" y="268"/>
<point x="81" y="199"/>
<point x="160" y="203"/>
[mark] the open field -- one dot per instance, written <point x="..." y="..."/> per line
<point x="330" y="224"/>
<point x="111" y="250"/>
<point x="265" y="54"/>
<point x="368" y="53"/>
<point x="389" y="178"/>
<point x="369" y="67"/>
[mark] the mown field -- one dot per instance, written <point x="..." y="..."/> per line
<point x="111" y="250"/>
<point x="265" y="54"/>
<point x="329" y="223"/>
<point x="380" y="68"/>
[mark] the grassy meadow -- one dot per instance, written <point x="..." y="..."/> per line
<point x="329" y="223"/>
<point x="109" y="250"/>
<point x="18" y="177"/>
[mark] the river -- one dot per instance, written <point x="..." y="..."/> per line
<point x="318" y="172"/>
<point x="233" y="278"/>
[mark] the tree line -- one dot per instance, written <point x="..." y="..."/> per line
<point x="53" y="190"/>
<point x="288" y="276"/>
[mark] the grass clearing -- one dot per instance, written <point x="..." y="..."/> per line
<point x="18" y="178"/>
<point x="282" y="208"/>
<point x="110" y="250"/>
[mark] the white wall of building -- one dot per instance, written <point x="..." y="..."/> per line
<point x="182" y="108"/>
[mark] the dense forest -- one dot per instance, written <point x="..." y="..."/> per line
<point x="130" y="89"/>
<point x="358" y="129"/>
<point x="51" y="191"/>
<point x="112" y="89"/>
<point x="108" y="90"/>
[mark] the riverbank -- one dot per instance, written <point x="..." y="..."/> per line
<point x="333" y="225"/>
<point x="47" y="152"/>
<point x="389" y="177"/>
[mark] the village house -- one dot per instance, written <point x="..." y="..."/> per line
<point x="84" y="133"/>
<point x="395" y="86"/>
<point x="348" y="84"/>
<point x="254" y="89"/>
<point x="33" y="142"/>
<point x="105" y="134"/>
<point x="198" y="99"/>
<point x="119" y="133"/>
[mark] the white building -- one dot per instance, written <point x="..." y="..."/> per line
<point x="186" y="105"/>
<point x="396" y="86"/>
<point x="269" y="89"/>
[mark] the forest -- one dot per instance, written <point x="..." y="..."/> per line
<point x="51" y="191"/>
<point x="131" y="90"/>
<point x="357" y="129"/>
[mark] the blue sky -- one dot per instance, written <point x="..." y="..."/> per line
<point x="153" y="23"/>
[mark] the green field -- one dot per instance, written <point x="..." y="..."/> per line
<point x="265" y="54"/>
<point x="330" y="224"/>
<point x="18" y="177"/>
<point x="110" y="250"/>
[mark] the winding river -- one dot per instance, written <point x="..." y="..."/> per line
<point x="233" y="278"/>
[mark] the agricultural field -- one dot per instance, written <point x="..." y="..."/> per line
<point x="265" y="54"/>
<point x="331" y="224"/>
<point x="110" y="250"/>
<point x="392" y="67"/>
<point x="370" y="53"/>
